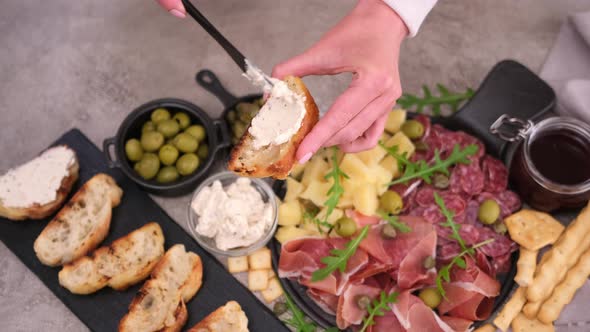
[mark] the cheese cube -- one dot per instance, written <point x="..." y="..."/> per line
<point x="391" y="165"/>
<point x="273" y="291"/>
<point x="382" y="178"/>
<point x="317" y="192"/>
<point x="260" y="259"/>
<point x="403" y="143"/>
<point x="334" y="216"/>
<point x="373" y="156"/>
<point x="287" y="233"/>
<point x="290" y="213"/>
<point x="395" y="120"/>
<point x="257" y="280"/>
<point x="384" y="137"/>
<point x="356" y="170"/>
<point x="294" y="189"/>
<point x="237" y="264"/>
<point x="315" y="170"/>
<point x="345" y="201"/>
<point x="365" y="199"/>
<point x="297" y="170"/>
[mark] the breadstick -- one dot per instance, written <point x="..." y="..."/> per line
<point x="565" y="252"/>
<point x="511" y="309"/>
<point x="526" y="265"/>
<point x="565" y="291"/>
<point x="522" y="324"/>
<point x="531" y="309"/>
<point x="486" y="328"/>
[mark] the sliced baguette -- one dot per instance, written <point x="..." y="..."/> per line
<point x="125" y="262"/>
<point x="275" y="160"/>
<point x="160" y="304"/>
<point x="40" y="211"/>
<point x="229" y="318"/>
<point x="81" y="225"/>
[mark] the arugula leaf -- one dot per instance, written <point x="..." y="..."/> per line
<point x="453" y="99"/>
<point x="319" y="223"/>
<point x="332" y="329"/>
<point x="297" y="321"/>
<point x="378" y="307"/>
<point x="336" y="190"/>
<point x="394" y="221"/>
<point x="339" y="257"/>
<point x="444" y="273"/>
<point x="450" y="223"/>
<point x="421" y="169"/>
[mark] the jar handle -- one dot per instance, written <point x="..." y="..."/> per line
<point x="511" y="129"/>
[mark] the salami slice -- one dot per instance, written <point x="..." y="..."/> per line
<point x="454" y="203"/>
<point x="446" y="252"/>
<point x="501" y="264"/>
<point x="469" y="234"/>
<point x="433" y="215"/>
<point x="510" y="201"/>
<point x="496" y="175"/>
<point x="471" y="213"/>
<point x="425" y="196"/>
<point x="502" y="245"/>
<point x="472" y="178"/>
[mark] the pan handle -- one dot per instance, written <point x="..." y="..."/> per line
<point x="509" y="88"/>
<point x="208" y="80"/>
<point x="106" y="149"/>
<point x="223" y="134"/>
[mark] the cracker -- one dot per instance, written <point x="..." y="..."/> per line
<point x="533" y="229"/>
<point x="523" y="324"/>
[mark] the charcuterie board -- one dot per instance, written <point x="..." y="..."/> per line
<point x="102" y="310"/>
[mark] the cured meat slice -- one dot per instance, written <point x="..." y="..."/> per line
<point x="472" y="178"/>
<point x="360" y="219"/>
<point x="457" y="324"/>
<point x="414" y="316"/>
<point x="496" y="175"/>
<point x="349" y="312"/>
<point x="411" y="270"/>
<point x="508" y="201"/>
<point x="502" y="245"/>
<point x="386" y="323"/>
<point x="328" y="302"/>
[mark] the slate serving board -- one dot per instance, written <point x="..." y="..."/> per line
<point x="102" y="310"/>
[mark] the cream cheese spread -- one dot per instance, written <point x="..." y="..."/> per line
<point x="37" y="181"/>
<point x="235" y="216"/>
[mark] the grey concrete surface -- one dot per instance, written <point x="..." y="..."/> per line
<point x="86" y="64"/>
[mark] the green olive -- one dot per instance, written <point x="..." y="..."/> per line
<point x="231" y="116"/>
<point x="489" y="212"/>
<point x="148" y="126"/>
<point x="160" y="114"/>
<point x="168" y="128"/>
<point x="429" y="262"/>
<point x="388" y="231"/>
<point x="167" y="174"/>
<point x="203" y="151"/>
<point x="238" y="128"/>
<point x="249" y="109"/>
<point x="279" y="308"/>
<point x="440" y="181"/>
<point x="363" y="301"/>
<point x="133" y="150"/>
<point x="187" y="163"/>
<point x="391" y="202"/>
<point x="413" y="129"/>
<point x="168" y="154"/>
<point x="196" y="131"/>
<point x="148" y="166"/>
<point x="183" y="120"/>
<point x="151" y="141"/>
<point x="345" y="227"/>
<point x="260" y="101"/>
<point x="186" y="143"/>
<point x="500" y="227"/>
<point x="431" y="297"/>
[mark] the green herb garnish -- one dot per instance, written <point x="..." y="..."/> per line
<point x="297" y="321"/>
<point x="319" y="223"/>
<point x="378" y="307"/>
<point x="339" y="257"/>
<point x="450" y="223"/>
<point x="395" y="222"/>
<point x="444" y="273"/>
<point x="424" y="171"/>
<point x="418" y="104"/>
<point x="336" y="190"/>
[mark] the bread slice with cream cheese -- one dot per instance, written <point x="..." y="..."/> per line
<point x="274" y="160"/>
<point x="229" y="318"/>
<point x="38" y="188"/>
<point x="81" y="225"/>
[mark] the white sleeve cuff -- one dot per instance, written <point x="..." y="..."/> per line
<point x="412" y="12"/>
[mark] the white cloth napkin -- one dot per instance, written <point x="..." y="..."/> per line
<point x="567" y="68"/>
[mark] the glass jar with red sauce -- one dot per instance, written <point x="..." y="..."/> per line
<point x="550" y="168"/>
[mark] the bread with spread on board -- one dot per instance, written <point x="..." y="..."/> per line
<point x="228" y="318"/>
<point x="38" y="188"/>
<point x="123" y="263"/>
<point x="160" y="304"/>
<point x="268" y="147"/>
<point x="81" y="225"/>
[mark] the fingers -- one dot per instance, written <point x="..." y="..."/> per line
<point x="344" y="109"/>
<point x="369" y="138"/>
<point x="174" y="7"/>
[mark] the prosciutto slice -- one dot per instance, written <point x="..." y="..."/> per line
<point x="414" y="316"/>
<point x="349" y="313"/>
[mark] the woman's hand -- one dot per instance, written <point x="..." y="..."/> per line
<point x="365" y="43"/>
<point x="174" y="7"/>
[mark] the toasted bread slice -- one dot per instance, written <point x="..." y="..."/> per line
<point x="81" y="225"/>
<point x="160" y="304"/>
<point x="274" y="160"/>
<point x="40" y="211"/>
<point x="125" y="262"/>
<point x="229" y="318"/>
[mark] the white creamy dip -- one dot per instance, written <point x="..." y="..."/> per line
<point x="37" y="181"/>
<point x="235" y="216"/>
<point x="281" y="115"/>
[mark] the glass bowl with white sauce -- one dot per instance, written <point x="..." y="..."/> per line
<point x="231" y="215"/>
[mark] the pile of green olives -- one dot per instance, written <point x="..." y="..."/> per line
<point x="170" y="146"/>
<point x="239" y="118"/>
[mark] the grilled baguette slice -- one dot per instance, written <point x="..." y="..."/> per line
<point x="40" y="211"/>
<point x="123" y="263"/>
<point x="229" y="318"/>
<point x="160" y="304"/>
<point x="275" y="160"/>
<point x="81" y="225"/>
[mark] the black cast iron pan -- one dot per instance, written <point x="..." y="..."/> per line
<point x="509" y="88"/>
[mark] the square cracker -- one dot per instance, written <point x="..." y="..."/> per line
<point x="533" y="229"/>
<point x="522" y="324"/>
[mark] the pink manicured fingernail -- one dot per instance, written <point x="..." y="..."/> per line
<point x="305" y="158"/>
<point x="177" y="13"/>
